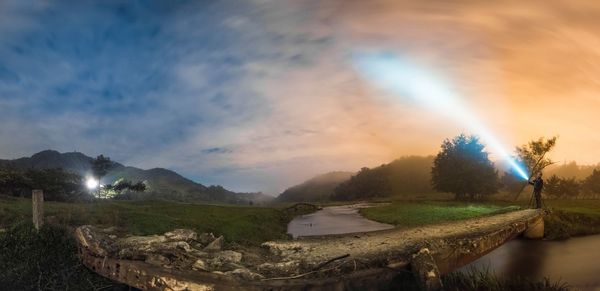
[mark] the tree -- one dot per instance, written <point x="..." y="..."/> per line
<point x="100" y="166"/>
<point x="591" y="184"/>
<point x="552" y="186"/>
<point x="533" y="157"/>
<point x="366" y="184"/>
<point x="462" y="167"/>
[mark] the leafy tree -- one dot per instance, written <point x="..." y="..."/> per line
<point x="591" y="184"/>
<point x="562" y="187"/>
<point x="462" y="167"/>
<point x="533" y="157"/>
<point x="100" y="166"/>
<point x="552" y="186"/>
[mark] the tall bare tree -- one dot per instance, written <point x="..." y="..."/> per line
<point x="533" y="156"/>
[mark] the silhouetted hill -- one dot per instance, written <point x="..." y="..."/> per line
<point x="318" y="188"/>
<point x="405" y="177"/>
<point x="161" y="183"/>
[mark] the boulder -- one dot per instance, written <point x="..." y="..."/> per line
<point x="181" y="235"/>
<point x="206" y="238"/>
<point x="215" y="245"/>
<point x="200" y="265"/>
<point x="157" y="260"/>
<point x="245" y="274"/>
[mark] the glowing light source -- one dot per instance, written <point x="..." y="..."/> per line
<point x="404" y="78"/>
<point x="92" y="183"/>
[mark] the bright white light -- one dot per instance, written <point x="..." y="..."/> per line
<point x="92" y="183"/>
<point x="406" y="79"/>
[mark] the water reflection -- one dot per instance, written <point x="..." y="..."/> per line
<point x="575" y="261"/>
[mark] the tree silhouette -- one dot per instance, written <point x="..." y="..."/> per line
<point x="533" y="157"/>
<point x="462" y="167"/>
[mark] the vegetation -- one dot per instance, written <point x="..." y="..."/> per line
<point x="412" y="214"/>
<point x="483" y="279"/>
<point x="45" y="260"/>
<point x="239" y="224"/>
<point x="533" y="157"/>
<point x="463" y="168"/>
<point x="319" y="188"/>
<point x="569" y="218"/>
<point x="405" y="177"/>
<point x="58" y="184"/>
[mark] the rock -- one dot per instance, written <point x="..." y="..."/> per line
<point x="200" y="265"/>
<point x="215" y="245"/>
<point x="206" y="238"/>
<point x="285" y="249"/>
<point x="224" y="258"/>
<point x="181" y="235"/>
<point x="142" y="242"/>
<point x="426" y="271"/>
<point x="282" y="267"/>
<point x="175" y="245"/>
<point x="245" y="274"/>
<point x="157" y="260"/>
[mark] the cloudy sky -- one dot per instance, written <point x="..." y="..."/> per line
<point x="257" y="95"/>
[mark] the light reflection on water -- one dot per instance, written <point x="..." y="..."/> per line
<point x="575" y="261"/>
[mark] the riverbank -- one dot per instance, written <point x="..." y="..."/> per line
<point x="566" y="218"/>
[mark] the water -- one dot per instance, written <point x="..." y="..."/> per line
<point x="334" y="220"/>
<point x="575" y="261"/>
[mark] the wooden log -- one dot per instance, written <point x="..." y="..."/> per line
<point x="37" y="198"/>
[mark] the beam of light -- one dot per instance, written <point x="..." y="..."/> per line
<point x="403" y="78"/>
<point x="92" y="183"/>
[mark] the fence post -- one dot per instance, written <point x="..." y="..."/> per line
<point x="37" y="197"/>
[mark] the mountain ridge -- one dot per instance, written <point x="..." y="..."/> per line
<point x="161" y="183"/>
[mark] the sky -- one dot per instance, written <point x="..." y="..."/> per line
<point x="258" y="95"/>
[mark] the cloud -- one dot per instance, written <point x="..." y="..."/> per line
<point x="259" y="95"/>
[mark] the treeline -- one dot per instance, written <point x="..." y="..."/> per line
<point x="407" y="176"/>
<point x="58" y="184"/>
<point x="560" y="187"/>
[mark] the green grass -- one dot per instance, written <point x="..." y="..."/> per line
<point x="239" y="224"/>
<point x="411" y="213"/>
<point x="569" y="218"/>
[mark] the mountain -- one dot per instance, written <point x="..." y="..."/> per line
<point x="318" y="188"/>
<point x="161" y="183"/>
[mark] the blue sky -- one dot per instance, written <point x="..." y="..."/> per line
<point x="258" y="95"/>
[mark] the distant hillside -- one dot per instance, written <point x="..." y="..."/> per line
<point x="318" y="188"/>
<point x="161" y="183"/>
<point x="405" y="177"/>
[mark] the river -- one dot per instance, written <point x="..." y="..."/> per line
<point x="334" y="220"/>
<point x="575" y="261"/>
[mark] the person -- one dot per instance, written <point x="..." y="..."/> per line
<point x="538" y="185"/>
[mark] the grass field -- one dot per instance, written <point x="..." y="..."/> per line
<point x="239" y="224"/>
<point x="412" y="213"/>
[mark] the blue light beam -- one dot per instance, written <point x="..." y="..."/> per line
<point x="404" y="78"/>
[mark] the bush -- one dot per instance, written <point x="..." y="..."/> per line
<point x="45" y="260"/>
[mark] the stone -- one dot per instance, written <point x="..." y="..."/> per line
<point x="535" y="230"/>
<point x="94" y="241"/>
<point x="223" y="259"/>
<point x="157" y="260"/>
<point x="281" y="267"/>
<point x="426" y="271"/>
<point x="245" y="274"/>
<point x="181" y="235"/>
<point x="206" y="238"/>
<point x="175" y="245"/>
<point x="215" y="245"/>
<point x="200" y="265"/>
